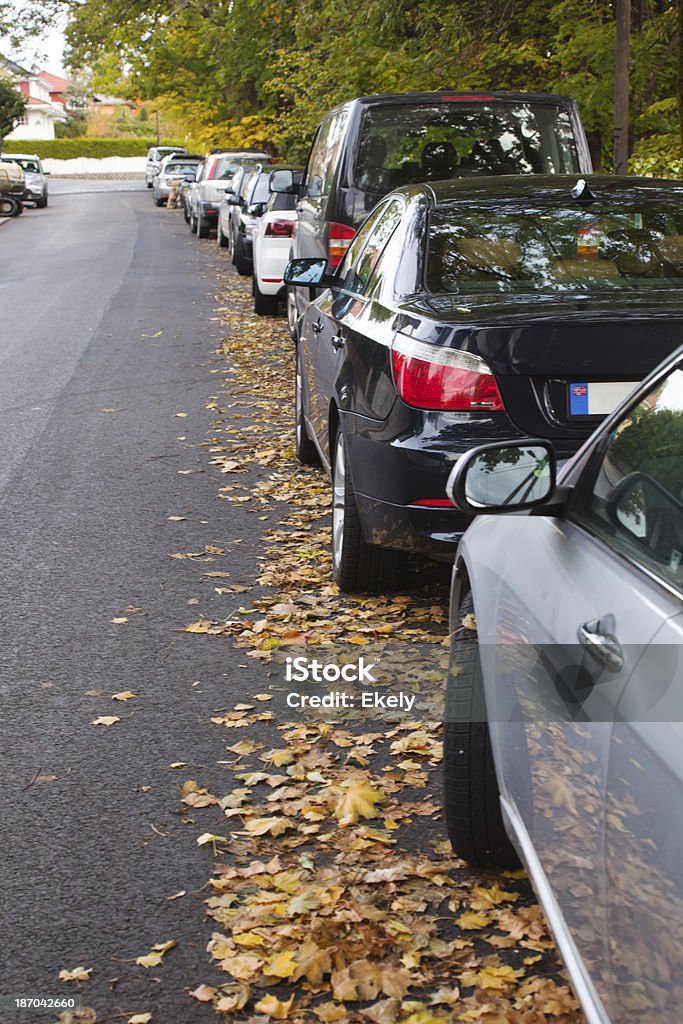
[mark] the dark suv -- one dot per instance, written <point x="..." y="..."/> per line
<point x="365" y="148"/>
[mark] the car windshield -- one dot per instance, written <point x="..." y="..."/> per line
<point x="404" y="144"/>
<point x="600" y="247"/>
<point x="28" y="165"/>
<point x="225" y="168"/>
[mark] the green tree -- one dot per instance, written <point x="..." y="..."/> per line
<point x="12" y="106"/>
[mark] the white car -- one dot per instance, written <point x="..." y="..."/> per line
<point x="35" y="178"/>
<point x="272" y="245"/>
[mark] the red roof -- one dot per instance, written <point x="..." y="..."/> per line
<point x="56" y="83"/>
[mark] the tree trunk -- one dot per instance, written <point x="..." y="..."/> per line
<point x="623" y="19"/>
<point x="679" y="70"/>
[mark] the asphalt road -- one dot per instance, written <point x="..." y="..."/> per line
<point x="105" y="305"/>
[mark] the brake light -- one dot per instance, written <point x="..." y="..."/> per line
<point x="434" y="503"/>
<point x="474" y="99"/>
<point x="428" y="377"/>
<point x="341" y="236"/>
<point x="280" y="228"/>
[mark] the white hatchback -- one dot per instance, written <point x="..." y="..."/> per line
<point x="272" y="251"/>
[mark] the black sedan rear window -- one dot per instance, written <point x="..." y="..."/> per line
<point x="406" y="144"/>
<point x="588" y="248"/>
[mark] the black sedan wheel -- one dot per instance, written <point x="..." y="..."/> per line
<point x="357" y="567"/>
<point x="306" y="452"/>
<point x="471" y="795"/>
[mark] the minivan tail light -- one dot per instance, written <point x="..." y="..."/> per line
<point x="280" y="228"/>
<point x="341" y="236"/>
<point x="428" y="377"/>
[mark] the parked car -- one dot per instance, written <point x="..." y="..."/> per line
<point x="272" y="240"/>
<point x="365" y="148"/>
<point x="184" y="192"/>
<point x="154" y="157"/>
<point x="244" y="209"/>
<point x="35" y="177"/>
<point x="206" y="193"/>
<point x="470" y="312"/>
<point x="173" y="168"/>
<point x="564" y="710"/>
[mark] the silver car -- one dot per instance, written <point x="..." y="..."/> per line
<point x="35" y="177"/>
<point x="173" y="168"/>
<point x="564" y="709"/>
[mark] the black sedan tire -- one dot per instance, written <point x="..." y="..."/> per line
<point x="357" y="567"/>
<point x="305" y="451"/>
<point x="471" y="795"/>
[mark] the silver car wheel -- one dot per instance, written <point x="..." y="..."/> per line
<point x="338" y="500"/>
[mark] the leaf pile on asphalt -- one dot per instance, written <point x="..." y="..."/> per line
<point x="334" y="894"/>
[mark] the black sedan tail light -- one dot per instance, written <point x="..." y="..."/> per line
<point x="428" y="377"/>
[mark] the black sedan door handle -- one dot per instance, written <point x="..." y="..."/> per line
<point x="599" y="640"/>
<point x="338" y="342"/>
<point x="316" y="327"/>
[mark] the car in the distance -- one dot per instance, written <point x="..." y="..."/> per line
<point x="470" y="312"/>
<point x="35" y="177"/>
<point x="208" y="191"/>
<point x="272" y="240"/>
<point x="244" y="209"/>
<point x="564" y="707"/>
<point x="173" y="168"/>
<point x="154" y="157"/>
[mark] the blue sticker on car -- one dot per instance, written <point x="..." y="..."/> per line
<point x="578" y="399"/>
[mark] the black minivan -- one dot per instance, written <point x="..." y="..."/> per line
<point x="369" y="146"/>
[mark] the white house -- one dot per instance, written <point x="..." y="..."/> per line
<point x="41" y="114"/>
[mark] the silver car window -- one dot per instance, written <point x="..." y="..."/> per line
<point x="636" y="502"/>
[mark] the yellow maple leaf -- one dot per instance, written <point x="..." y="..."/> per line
<point x="140" y="1018"/>
<point x="106" y="720"/>
<point x="469" y="920"/>
<point x="282" y="965"/>
<point x="124" y="695"/>
<point x="259" y="826"/>
<point x="273" y="1007"/>
<point x="357" y="800"/>
<point x="328" y="1013"/>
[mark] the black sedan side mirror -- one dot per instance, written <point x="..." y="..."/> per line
<point x="506" y="477"/>
<point x="308" y="273"/>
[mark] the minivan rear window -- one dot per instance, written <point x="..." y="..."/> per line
<point x="453" y="139"/>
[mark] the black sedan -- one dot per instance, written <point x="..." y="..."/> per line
<point x="468" y="312"/>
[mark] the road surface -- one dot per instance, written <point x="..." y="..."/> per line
<point x="105" y="305"/>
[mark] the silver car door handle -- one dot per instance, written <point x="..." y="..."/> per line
<point x="338" y="342"/>
<point x="316" y="327"/>
<point x="599" y="640"/>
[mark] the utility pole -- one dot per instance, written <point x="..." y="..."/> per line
<point x="156" y="114"/>
<point x="621" y="76"/>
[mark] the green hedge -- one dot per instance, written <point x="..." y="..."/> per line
<point x="69" y="149"/>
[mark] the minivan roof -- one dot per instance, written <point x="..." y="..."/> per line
<point x="455" y="96"/>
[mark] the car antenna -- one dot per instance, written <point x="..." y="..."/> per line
<point x="582" y="192"/>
